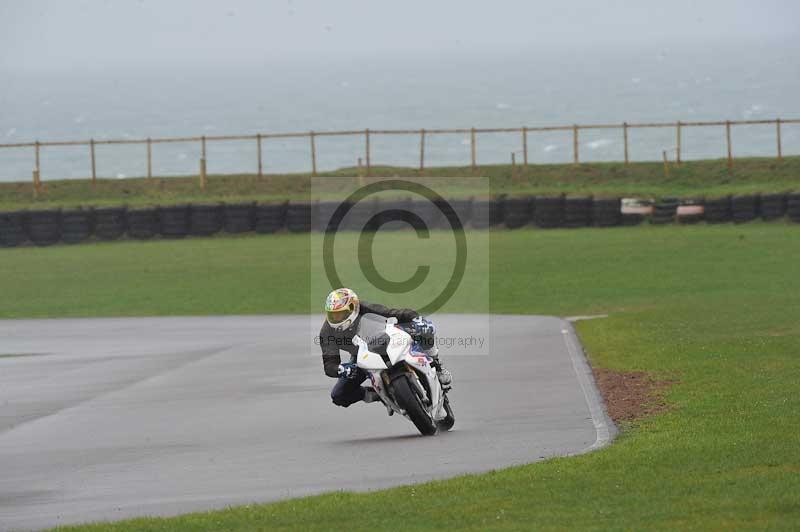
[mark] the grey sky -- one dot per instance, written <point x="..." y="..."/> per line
<point x="40" y="34"/>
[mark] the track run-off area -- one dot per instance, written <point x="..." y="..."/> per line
<point x="104" y="419"/>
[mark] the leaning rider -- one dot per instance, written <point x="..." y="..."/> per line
<point x="342" y="314"/>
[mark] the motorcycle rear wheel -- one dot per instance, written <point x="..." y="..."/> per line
<point x="407" y="398"/>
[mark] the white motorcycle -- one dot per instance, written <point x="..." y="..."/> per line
<point x="402" y="374"/>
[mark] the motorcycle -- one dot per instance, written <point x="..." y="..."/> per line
<point x="402" y="375"/>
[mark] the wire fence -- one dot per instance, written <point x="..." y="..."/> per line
<point x="259" y="139"/>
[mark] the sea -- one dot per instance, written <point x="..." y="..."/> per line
<point x="483" y="89"/>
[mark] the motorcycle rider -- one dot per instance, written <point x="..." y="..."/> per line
<point x="342" y="313"/>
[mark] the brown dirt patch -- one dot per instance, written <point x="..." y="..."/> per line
<point x="631" y="395"/>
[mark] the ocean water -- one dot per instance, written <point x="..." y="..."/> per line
<point x="498" y="89"/>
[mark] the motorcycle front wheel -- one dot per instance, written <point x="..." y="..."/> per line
<point x="406" y="396"/>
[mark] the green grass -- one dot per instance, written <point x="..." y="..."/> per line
<point x="717" y="308"/>
<point x="692" y="178"/>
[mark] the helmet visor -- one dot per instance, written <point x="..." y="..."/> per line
<point x="338" y="316"/>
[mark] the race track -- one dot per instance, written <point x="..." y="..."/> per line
<point x="105" y="419"/>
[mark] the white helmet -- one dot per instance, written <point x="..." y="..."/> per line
<point x="341" y="308"/>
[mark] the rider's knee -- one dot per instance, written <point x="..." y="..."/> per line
<point x="340" y="399"/>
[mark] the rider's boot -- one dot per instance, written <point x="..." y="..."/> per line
<point x="370" y="396"/>
<point x="445" y="377"/>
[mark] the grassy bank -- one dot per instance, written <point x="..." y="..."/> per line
<point x="692" y="178"/>
<point x="714" y="308"/>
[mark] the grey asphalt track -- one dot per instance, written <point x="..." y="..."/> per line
<point x="106" y="419"/>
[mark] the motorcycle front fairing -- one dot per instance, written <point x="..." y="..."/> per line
<point x="391" y="345"/>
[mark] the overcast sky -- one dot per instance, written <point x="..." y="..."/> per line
<point x="42" y="34"/>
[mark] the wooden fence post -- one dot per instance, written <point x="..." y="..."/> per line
<point x="728" y="142"/>
<point x="313" y="154"/>
<point x="525" y="147"/>
<point x="575" y="156"/>
<point x="472" y="149"/>
<point x="666" y="163"/>
<point x="625" y="140"/>
<point x="260" y="166"/>
<point x="367" y="150"/>
<point x="149" y="158"/>
<point x="94" y="166"/>
<point x="678" y="143"/>
<point x="778" y="136"/>
<point x="421" y="150"/>
<point x="203" y="163"/>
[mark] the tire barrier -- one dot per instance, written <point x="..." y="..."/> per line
<point x="359" y="215"/>
<point x="384" y="214"/>
<point x="44" y="227"/>
<point x="205" y="220"/>
<point x="239" y="218"/>
<point x="270" y="217"/>
<point x="577" y="212"/>
<point x="48" y="227"/>
<point x="793" y="207"/>
<point x="12" y="229"/>
<point x="324" y="215"/>
<point x="744" y="208"/>
<point x="690" y="211"/>
<point x="463" y="210"/>
<point x="718" y="210"/>
<point x="298" y="217"/>
<point x="517" y="212"/>
<point x="481" y="214"/>
<point x="175" y="221"/>
<point x="110" y="223"/>
<point x="664" y="211"/>
<point x="76" y="225"/>
<point x="143" y="223"/>
<point x="606" y="212"/>
<point x="548" y="213"/>
<point x="773" y="206"/>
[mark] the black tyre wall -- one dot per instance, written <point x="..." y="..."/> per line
<point x="744" y="208"/>
<point x="110" y="223"/>
<point x="517" y="212"/>
<point x="12" y="229"/>
<point x="577" y="212"/>
<point x="298" y="217"/>
<point x="76" y="225"/>
<point x="664" y="211"/>
<point x="205" y="220"/>
<point x="481" y="213"/>
<point x="143" y="223"/>
<point x="549" y="212"/>
<point x="793" y="207"/>
<point x="239" y="218"/>
<point x="718" y="210"/>
<point x="606" y="212"/>
<point x="44" y="227"/>
<point x="270" y="217"/>
<point x="773" y="206"/>
<point x="175" y="221"/>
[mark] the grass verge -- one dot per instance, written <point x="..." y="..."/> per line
<point x="714" y="308"/>
<point x="692" y="178"/>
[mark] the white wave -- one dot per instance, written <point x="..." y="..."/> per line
<point x="503" y="106"/>
<point x="599" y="143"/>
<point x="550" y="147"/>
